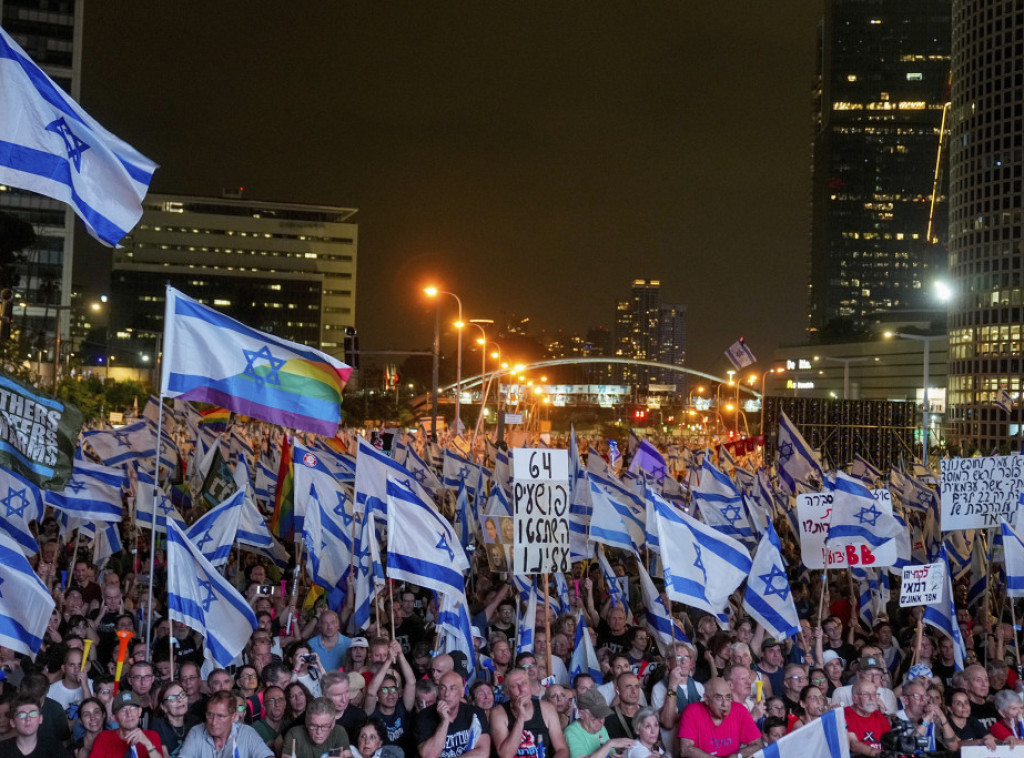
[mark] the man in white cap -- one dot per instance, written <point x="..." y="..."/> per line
<point x="869" y="669"/>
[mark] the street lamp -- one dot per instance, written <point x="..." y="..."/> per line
<point x="846" y="371"/>
<point x="434" y="292"/>
<point x="926" y="340"/>
<point x="764" y="390"/>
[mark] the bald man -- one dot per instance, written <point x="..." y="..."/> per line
<point x="718" y="726"/>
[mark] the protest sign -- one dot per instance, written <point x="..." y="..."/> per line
<point x="38" y="434"/>
<point x="540" y="496"/>
<point x="978" y="492"/>
<point x="814" y="512"/>
<point x="980" y="751"/>
<point x="922" y="585"/>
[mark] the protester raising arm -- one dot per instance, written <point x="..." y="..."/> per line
<point x="395" y="657"/>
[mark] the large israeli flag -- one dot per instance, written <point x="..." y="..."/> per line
<point x="859" y="522"/>
<point x="328" y="540"/>
<point x="49" y="145"/>
<point x="197" y="595"/>
<point x="799" y="464"/>
<point x="373" y="468"/>
<point x="20" y="502"/>
<point x="824" y="737"/>
<point x="92" y="494"/>
<point x="768" y="597"/>
<point x="611" y="521"/>
<point x="455" y="629"/>
<point x="423" y="547"/>
<point x="720" y="503"/>
<point x="214" y="533"/>
<point x="702" y="566"/>
<point x="25" y="603"/>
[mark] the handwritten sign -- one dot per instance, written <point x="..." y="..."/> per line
<point x="540" y="495"/>
<point x="922" y="585"/>
<point x="978" y="492"/>
<point x="814" y="512"/>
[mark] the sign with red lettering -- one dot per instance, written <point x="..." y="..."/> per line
<point x="922" y="585"/>
<point x="814" y="512"/>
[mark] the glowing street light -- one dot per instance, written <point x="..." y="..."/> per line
<point x="434" y="292"/>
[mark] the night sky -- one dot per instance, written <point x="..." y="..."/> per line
<point x="532" y="157"/>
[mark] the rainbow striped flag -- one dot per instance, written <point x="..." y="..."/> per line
<point x="216" y="420"/>
<point x="282" y="523"/>
<point x="211" y="358"/>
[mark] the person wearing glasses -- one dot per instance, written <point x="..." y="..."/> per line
<point x="718" y="726"/>
<point x="141" y="678"/>
<point x="319" y="736"/>
<point x="129" y="737"/>
<point x="865" y="723"/>
<point x="222" y="735"/>
<point x="870" y="669"/>
<point x="676" y="690"/>
<point x="794" y="680"/>
<point x="26" y="718"/>
<point x="925" y="718"/>
<point x="391" y="703"/>
<point x="172" y="720"/>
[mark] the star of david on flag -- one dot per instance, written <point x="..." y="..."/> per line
<point x="25" y="603"/>
<point x="768" y="598"/>
<point x="54" y="148"/>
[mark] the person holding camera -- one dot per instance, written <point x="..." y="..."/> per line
<point x="306" y="667"/>
<point x="921" y="722"/>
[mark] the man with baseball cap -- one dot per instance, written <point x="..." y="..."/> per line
<point x="870" y="668"/>
<point x="115" y="743"/>
<point x="587" y="737"/>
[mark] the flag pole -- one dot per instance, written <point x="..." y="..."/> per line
<point x="547" y="622"/>
<point x="1016" y="639"/>
<point x="152" y="530"/>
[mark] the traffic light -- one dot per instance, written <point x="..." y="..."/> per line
<point x="640" y="414"/>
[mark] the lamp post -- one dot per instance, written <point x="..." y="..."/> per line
<point x="434" y="292"/>
<point x="764" y="390"/>
<point x="846" y="371"/>
<point x="926" y="341"/>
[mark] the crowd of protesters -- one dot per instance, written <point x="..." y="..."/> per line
<point x="310" y="685"/>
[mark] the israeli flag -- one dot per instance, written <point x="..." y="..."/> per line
<point x="942" y="614"/>
<point x="328" y="541"/>
<point x="768" y="597"/>
<point x="720" y="503"/>
<point x="455" y="629"/>
<point x="106" y="540"/>
<point x="25" y="603"/>
<point x="53" y="147"/>
<point x="214" y="533"/>
<point x="423" y="547"/>
<point x="422" y="473"/>
<point x="740" y="355"/>
<point x="647" y="458"/>
<point x="369" y="576"/>
<point x="1013" y="555"/>
<point x="92" y="494"/>
<point x="660" y="623"/>
<point x="978" y="583"/>
<point x="584" y="658"/>
<point x="615" y="593"/>
<point x="527" y="623"/>
<point x="860" y="522"/>
<point x="315" y="481"/>
<point x="498" y="503"/>
<point x="1003" y="401"/>
<point x="252" y="527"/>
<point x="129" y="443"/>
<point x="799" y="464"/>
<point x="149" y="499"/>
<point x="21" y="502"/>
<point x="198" y="596"/>
<point x="373" y="469"/>
<point x="702" y="566"/>
<point x="863" y="470"/>
<point x="825" y="737"/>
<point x="611" y="522"/>
<point x="342" y="466"/>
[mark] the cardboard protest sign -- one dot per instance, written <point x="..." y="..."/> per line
<point x="922" y="585"/>
<point x="540" y="498"/>
<point x="978" y="492"/>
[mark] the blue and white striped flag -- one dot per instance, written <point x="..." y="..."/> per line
<point x="1013" y="557"/>
<point x="702" y="566"/>
<point x="824" y="737"/>
<point x="92" y="494"/>
<point x="149" y="499"/>
<point x="863" y="470"/>
<point x="768" y="597"/>
<point x="25" y="603"/>
<point x="1003" y="401"/>
<point x="942" y="616"/>
<point x="54" y="148"/>
<point x="373" y="468"/>
<point x="314" y="480"/>
<point x="859" y="522"/>
<point x="799" y="464"/>
<point x="647" y="458"/>
<point x="252" y="527"/>
<point x="131" y="443"/>
<point x="498" y="504"/>
<point x="422" y="473"/>
<point x="198" y="596"/>
<point x="214" y="532"/>
<point x="740" y="355"/>
<point x="423" y="547"/>
<point x="527" y="622"/>
<point x="328" y="541"/>
<point x="612" y="581"/>
<point x="106" y="540"/>
<point x="611" y="522"/>
<point x="584" y="658"/>
<point x="660" y="623"/>
<point x="20" y="502"/>
<point x="978" y="584"/>
<point x="369" y="578"/>
<point x="455" y="629"/>
<point x="720" y="503"/>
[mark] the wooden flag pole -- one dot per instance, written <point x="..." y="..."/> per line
<point x="547" y="622"/>
<point x="917" y="641"/>
<point x="152" y="530"/>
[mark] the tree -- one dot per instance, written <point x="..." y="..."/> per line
<point x="15" y="235"/>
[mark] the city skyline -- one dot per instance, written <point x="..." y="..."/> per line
<point x="529" y="161"/>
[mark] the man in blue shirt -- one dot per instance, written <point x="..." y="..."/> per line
<point x="330" y="646"/>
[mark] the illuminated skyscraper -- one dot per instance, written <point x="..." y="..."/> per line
<point x="648" y="330"/>
<point x="986" y="250"/>
<point x="882" y="85"/>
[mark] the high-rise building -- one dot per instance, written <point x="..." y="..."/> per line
<point x="50" y="32"/>
<point x="881" y="88"/>
<point x="284" y="268"/>
<point x="986" y="249"/>
<point x="648" y="330"/>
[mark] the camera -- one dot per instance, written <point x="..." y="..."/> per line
<point x="904" y="738"/>
<point x="308" y="657"/>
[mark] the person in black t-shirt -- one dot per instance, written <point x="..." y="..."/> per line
<point x="26" y="717"/>
<point x="451" y="728"/>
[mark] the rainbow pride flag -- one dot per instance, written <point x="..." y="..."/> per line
<point x="211" y="358"/>
<point x="282" y="522"/>
<point x="216" y="420"/>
